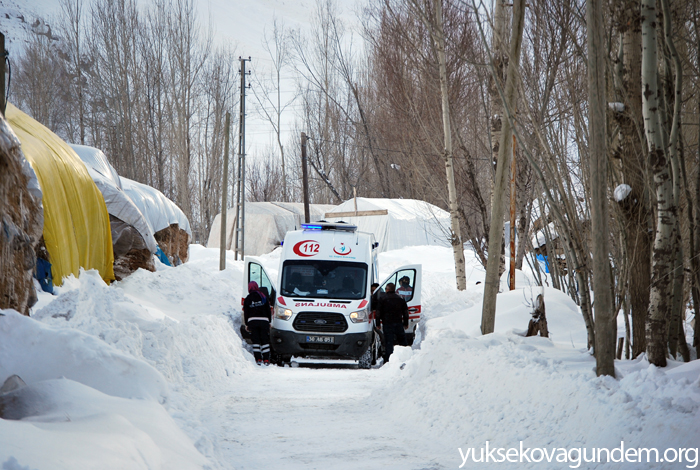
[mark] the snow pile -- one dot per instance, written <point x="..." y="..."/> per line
<point x="504" y="388"/>
<point x="66" y="424"/>
<point x="127" y="341"/>
<point x="465" y="389"/>
<point x="37" y="352"/>
<point x="404" y="222"/>
<point x="617" y="107"/>
<point x="86" y="405"/>
<point x="622" y="191"/>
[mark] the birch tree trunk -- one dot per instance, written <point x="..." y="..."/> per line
<point x="662" y="254"/>
<point x="673" y="154"/>
<point x="456" y="235"/>
<point x="488" y="313"/>
<point x="636" y="209"/>
<point x="500" y="62"/>
<point x="605" y="325"/>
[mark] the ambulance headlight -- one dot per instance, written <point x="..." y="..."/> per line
<point x="282" y="313"/>
<point x="359" y="316"/>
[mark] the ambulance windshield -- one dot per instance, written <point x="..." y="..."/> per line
<point x="324" y="279"/>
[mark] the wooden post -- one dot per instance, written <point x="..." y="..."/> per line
<point x="512" y="218"/>
<point x="239" y="231"/>
<point x="354" y="196"/>
<point x="305" y="178"/>
<point x="620" y="344"/>
<point x="538" y="322"/>
<point x="224" y="195"/>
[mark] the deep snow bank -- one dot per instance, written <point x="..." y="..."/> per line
<point x="165" y="336"/>
<point x="86" y="404"/>
<point x="504" y="388"/>
<point x="37" y="352"/>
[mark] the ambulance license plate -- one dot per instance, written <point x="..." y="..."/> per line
<point x="319" y="339"/>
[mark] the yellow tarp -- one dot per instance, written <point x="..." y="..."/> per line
<point x="76" y="222"/>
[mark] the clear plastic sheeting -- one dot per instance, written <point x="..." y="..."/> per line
<point x="119" y="204"/>
<point x="76" y="222"/>
<point x="266" y="224"/>
<point x="160" y="212"/>
<point x="408" y="222"/>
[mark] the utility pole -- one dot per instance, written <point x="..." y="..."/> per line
<point x="305" y="177"/>
<point x="3" y="54"/>
<point x="239" y="232"/>
<point x="224" y="194"/>
<point x="512" y="218"/>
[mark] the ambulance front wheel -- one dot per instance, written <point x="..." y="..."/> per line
<point x="365" y="361"/>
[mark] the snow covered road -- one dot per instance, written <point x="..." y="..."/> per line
<point x="304" y="418"/>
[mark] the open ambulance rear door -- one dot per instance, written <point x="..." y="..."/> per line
<point x="254" y="271"/>
<point x="410" y="293"/>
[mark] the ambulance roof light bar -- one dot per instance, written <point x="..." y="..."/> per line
<point x="323" y="225"/>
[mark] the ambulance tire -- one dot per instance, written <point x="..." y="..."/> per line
<point x="365" y="361"/>
<point x="279" y="359"/>
<point x="376" y="349"/>
<point x="410" y="337"/>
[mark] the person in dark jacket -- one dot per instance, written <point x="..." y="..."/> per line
<point x="257" y="316"/>
<point x="392" y="314"/>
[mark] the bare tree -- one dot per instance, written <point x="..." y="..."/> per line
<point x="491" y="284"/>
<point x="605" y="317"/>
<point x="73" y="31"/>
<point x="39" y="97"/>
<point x="268" y="91"/>
<point x="662" y="259"/>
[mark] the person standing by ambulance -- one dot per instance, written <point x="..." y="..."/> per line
<point x="392" y="313"/>
<point x="257" y="316"/>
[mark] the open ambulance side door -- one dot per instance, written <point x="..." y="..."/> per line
<point x="411" y="293"/>
<point x="254" y="271"/>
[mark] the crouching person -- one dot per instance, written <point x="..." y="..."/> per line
<point x="393" y="316"/>
<point x="257" y="316"/>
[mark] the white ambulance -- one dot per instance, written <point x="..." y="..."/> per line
<point x="323" y="307"/>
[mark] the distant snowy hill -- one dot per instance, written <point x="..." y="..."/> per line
<point x="19" y="19"/>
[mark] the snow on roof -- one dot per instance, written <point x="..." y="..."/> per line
<point x="160" y="211"/>
<point x="540" y="240"/>
<point x="408" y="222"/>
<point x="266" y="224"/>
<point x="119" y="204"/>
